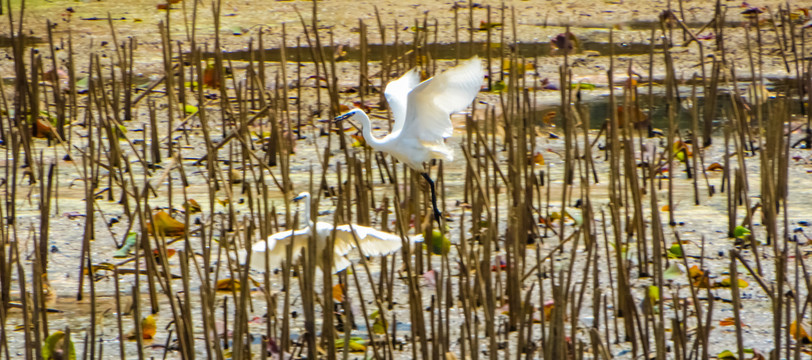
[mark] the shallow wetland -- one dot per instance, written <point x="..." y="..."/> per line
<point x="631" y="182"/>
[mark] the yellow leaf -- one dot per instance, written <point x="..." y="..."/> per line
<point x="356" y="344"/>
<point x="379" y="326"/>
<point x="192" y="206"/>
<point x="166" y="225"/>
<point x="439" y="245"/>
<point x="654" y="294"/>
<point x="548" y="309"/>
<point x="148" y="327"/>
<point x="338" y="292"/>
<point x="799" y="333"/>
<point x="538" y="159"/>
<point x="726" y="282"/>
<point x="227" y="285"/>
<point x="726" y="355"/>
<point x="698" y="277"/>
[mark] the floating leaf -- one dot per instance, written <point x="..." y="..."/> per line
<point x="728" y="321"/>
<point x="338" y="292"/>
<point x="359" y="140"/>
<point x="157" y="254"/>
<point x="129" y="242"/>
<point x="680" y="147"/>
<point x="498" y="86"/>
<point x="121" y="131"/>
<point x="439" y="244"/>
<point x="549" y="305"/>
<point x="715" y="167"/>
<point x="584" y="86"/>
<point x="726" y="355"/>
<point x="190" y="109"/>
<point x="82" y="84"/>
<point x="665" y="208"/>
<point x="379" y="326"/>
<point x="356" y="344"/>
<point x="515" y="68"/>
<point x="192" y="206"/>
<point x="673" y="272"/>
<point x="211" y="77"/>
<point x="148" y="327"/>
<point x="97" y="267"/>
<point x="740" y="232"/>
<point x="166" y="225"/>
<point x="799" y="333"/>
<point x="484" y="25"/>
<point x="549" y="117"/>
<point x="675" y="251"/>
<point x="227" y="285"/>
<point x="54" y="346"/>
<point x="538" y="159"/>
<point x="42" y="129"/>
<point x="726" y="282"/>
<point x="698" y="277"/>
<point x="654" y="294"/>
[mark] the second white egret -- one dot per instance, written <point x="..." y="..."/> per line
<point x="372" y="242"/>
<point x="422" y="116"/>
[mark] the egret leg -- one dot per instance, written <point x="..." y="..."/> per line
<point x="437" y="213"/>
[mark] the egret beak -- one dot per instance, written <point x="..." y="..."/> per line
<point x="298" y="198"/>
<point x="343" y="117"/>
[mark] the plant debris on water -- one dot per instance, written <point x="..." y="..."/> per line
<point x="629" y="182"/>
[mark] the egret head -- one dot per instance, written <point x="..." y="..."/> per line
<point x="348" y="115"/>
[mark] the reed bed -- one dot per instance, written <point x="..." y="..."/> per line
<point x="561" y="238"/>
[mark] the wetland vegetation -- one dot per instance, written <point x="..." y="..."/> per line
<point x="632" y="190"/>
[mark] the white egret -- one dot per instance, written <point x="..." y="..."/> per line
<point x="372" y="242"/>
<point x="421" y="111"/>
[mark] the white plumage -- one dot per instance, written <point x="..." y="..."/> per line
<point x="422" y="115"/>
<point x="372" y="242"/>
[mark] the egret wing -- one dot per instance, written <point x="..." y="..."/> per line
<point x="373" y="242"/>
<point x="432" y="101"/>
<point x="397" y="92"/>
<point x="275" y="250"/>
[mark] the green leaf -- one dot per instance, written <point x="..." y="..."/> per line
<point x="439" y="243"/>
<point x="726" y="355"/>
<point x="673" y="272"/>
<point x="584" y="86"/>
<point x="740" y="232"/>
<point x="129" y="242"/>
<point x="54" y="345"/>
<point x="654" y="294"/>
<point x="675" y="251"/>
<point x="190" y="109"/>
<point x="356" y="344"/>
<point x="82" y="84"/>
<point x="498" y="86"/>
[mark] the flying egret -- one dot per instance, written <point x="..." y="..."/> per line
<point x="372" y="242"/>
<point x="422" y="116"/>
